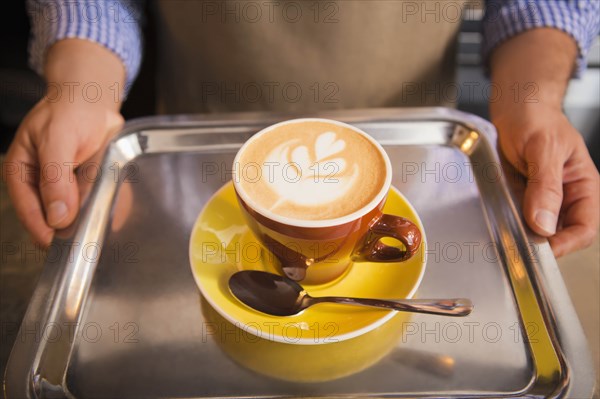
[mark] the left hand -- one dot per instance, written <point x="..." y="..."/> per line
<point x="562" y="197"/>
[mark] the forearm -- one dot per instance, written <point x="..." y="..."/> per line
<point x="532" y="68"/>
<point x="80" y="70"/>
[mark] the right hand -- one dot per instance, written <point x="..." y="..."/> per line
<point x="53" y="139"/>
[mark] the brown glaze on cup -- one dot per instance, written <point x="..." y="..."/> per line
<point x="373" y="250"/>
<point x="316" y="255"/>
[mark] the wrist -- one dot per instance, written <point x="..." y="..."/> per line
<point x="83" y="72"/>
<point x="81" y="92"/>
<point x="528" y="105"/>
<point x="532" y="70"/>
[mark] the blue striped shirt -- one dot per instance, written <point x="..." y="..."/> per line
<point x="115" y="24"/>
<point x="506" y="18"/>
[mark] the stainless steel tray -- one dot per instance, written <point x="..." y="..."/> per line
<point x="116" y="312"/>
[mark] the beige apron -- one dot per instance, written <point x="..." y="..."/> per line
<point x="305" y="55"/>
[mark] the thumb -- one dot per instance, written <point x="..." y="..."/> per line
<point x="58" y="185"/>
<point x="544" y="192"/>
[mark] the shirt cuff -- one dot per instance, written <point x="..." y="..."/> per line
<point x="505" y="19"/>
<point x="110" y="23"/>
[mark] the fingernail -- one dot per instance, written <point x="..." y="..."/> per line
<point x="546" y="221"/>
<point x="57" y="212"/>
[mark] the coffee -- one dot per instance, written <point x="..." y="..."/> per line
<point x="311" y="170"/>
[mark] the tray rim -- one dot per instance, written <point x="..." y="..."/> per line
<point x="23" y="377"/>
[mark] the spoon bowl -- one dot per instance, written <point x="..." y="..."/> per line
<point x="268" y="293"/>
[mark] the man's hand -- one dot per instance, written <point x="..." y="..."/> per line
<point x="60" y="132"/>
<point x="52" y="140"/>
<point x="562" y="198"/>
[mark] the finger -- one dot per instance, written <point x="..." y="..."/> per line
<point x="543" y="194"/>
<point x="20" y="174"/>
<point x="571" y="239"/>
<point x="581" y="215"/>
<point x="114" y="123"/>
<point x="58" y="186"/>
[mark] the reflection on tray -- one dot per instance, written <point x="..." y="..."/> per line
<point x="303" y="363"/>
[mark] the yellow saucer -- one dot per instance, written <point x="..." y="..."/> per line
<point x="221" y="244"/>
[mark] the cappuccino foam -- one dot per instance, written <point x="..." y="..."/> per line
<point x="311" y="170"/>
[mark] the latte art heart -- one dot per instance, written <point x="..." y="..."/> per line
<point x="311" y="170"/>
<point x="314" y="176"/>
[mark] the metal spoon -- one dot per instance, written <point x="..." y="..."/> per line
<point x="279" y="296"/>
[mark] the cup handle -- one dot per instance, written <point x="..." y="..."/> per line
<point x="373" y="250"/>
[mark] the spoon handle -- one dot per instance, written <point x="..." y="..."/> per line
<point x="446" y="307"/>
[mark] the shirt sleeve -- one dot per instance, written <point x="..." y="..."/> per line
<point x="506" y="18"/>
<point x="114" y="24"/>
